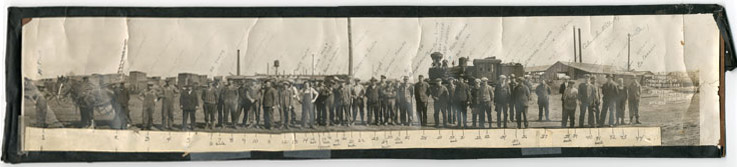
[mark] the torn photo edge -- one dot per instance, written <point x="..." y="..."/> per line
<point x="11" y="142"/>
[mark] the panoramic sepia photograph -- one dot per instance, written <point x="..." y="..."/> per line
<point x="370" y="74"/>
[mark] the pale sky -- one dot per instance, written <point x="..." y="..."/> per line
<point x="381" y="46"/>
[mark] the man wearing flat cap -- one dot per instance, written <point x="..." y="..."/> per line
<point x="167" y="104"/>
<point x="502" y="100"/>
<point x="440" y="96"/>
<point x="522" y="96"/>
<point x="405" y="93"/>
<point x="149" y="97"/>
<point x="461" y="100"/>
<point x="609" y="93"/>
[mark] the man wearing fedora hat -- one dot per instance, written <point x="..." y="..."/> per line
<point x="422" y="90"/>
<point x="189" y="103"/>
<point x="372" y="99"/>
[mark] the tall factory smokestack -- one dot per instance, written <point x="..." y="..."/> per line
<point x="238" y="63"/>
<point x="580" y="53"/>
<point x="574" y="45"/>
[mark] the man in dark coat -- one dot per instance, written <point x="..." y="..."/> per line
<point x="609" y="93"/>
<point x="584" y="99"/>
<point x="270" y="103"/>
<point x="189" y="103"/>
<point x="634" y="90"/>
<point x="543" y="105"/>
<point x="503" y="97"/>
<point x="372" y="99"/>
<point x="595" y="95"/>
<point x="440" y="96"/>
<point x="422" y="90"/>
<point x="461" y="101"/>
<point x="209" y="102"/>
<point x="522" y="96"/>
<point x="120" y="104"/>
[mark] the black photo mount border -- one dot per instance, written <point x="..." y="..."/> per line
<point x="11" y="146"/>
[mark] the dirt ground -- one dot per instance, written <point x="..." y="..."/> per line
<point x="678" y="117"/>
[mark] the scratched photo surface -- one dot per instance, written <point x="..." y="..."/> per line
<point x="138" y="84"/>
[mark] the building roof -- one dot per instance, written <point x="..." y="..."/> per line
<point x="537" y="68"/>
<point x="592" y="68"/>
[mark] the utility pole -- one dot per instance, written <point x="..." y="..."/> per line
<point x="350" y="50"/>
<point x="628" y="52"/>
<point x="238" y="62"/>
<point x="313" y="64"/>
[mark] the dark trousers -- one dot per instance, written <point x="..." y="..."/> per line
<point x="329" y="112"/>
<point x="243" y="108"/>
<point x="379" y="114"/>
<point x="422" y="112"/>
<point x="482" y="110"/>
<point x="620" y="110"/>
<point x="210" y="113"/>
<point x="218" y="111"/>
<point x="268" y="116"/>
<point x="583" y="109"/>
<point x="120" y="119"/>
<point x="285" y="112"/>
<point x="224" y="115"/>
<point x="440" y="110"/>
<point x="390" y="111"/>
<point x="511" y="111"/>
<point x="321" y="113"/>
<point x="167" y="113"/>
<point x="543" y="108"/>
<point x="593" y="115"/>
<point x="192" y="118"/>
<point x="148" y="117"/>
<point x="609" y="106"/>
<point x="569" y="114"/>
<point x="487" y="111"/>
<point x="462" y="113"/>
<point x="634" y="106"/>
<point x="450" y="108"/>
<point x="501" y="114"/>
<point x="405" y="112"/>
<point x="248" y="109"/>
<point x="235" y="113"/>
<point x="358" y="110"/>
<point x="88" y="115"/>
<point x="373" y="113"/>
<point x="521" y="114"/>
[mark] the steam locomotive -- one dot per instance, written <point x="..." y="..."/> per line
<point x="489" y="67"/>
